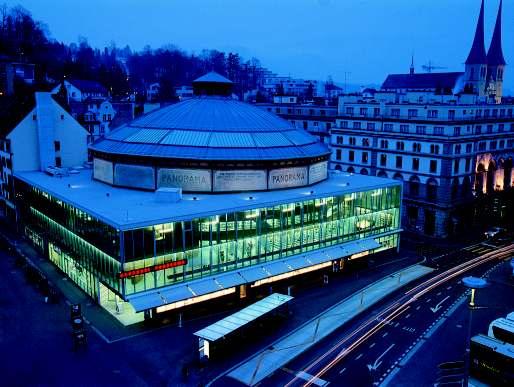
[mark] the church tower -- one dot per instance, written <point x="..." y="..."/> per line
<point x="476" y="63"/>
<point x="495" y="60"/>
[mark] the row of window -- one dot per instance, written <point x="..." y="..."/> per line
<point x="431" y="113"/>
<point x="423" y="129"/>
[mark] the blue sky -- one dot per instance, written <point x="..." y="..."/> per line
<point x="303" y="38"/>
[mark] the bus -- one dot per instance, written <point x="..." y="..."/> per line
<point x="502" y="329"/>
<point x="492" y="361"/>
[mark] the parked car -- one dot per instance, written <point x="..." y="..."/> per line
<point x="494" y="232"/>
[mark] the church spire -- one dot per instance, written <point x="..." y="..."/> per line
<point x="495" y="53"/>
<point x="477" y="53"/>
<point x="412" y="64"/>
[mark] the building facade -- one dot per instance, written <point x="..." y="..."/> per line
<point x="317" y="120"/>
<point x="184" y="205"/>
<point x="445" y="154"/>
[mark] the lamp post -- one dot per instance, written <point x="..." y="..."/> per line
<point x="472" y="283"/>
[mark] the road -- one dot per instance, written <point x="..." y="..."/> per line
<point x="365" y="352"/>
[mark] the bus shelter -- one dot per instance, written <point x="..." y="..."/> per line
<point x="230" y="325"/>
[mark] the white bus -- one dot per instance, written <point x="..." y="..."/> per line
<point x="502" y="329"/>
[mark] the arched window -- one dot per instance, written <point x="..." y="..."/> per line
<point x="350" y="170"/>
<point x="398" y="176"/>
<point x="432" y="189"/>
<point x="382" y="173"/>
<point x="364" y="171"/>
<point x="339" y="168"/>
<point x="414" y="186"/>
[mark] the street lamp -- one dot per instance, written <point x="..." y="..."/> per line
<point x="472" y="283"/>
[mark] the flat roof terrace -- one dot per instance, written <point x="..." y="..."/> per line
<point x="126" y="209"/>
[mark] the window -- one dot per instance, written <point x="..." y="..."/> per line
<point x="384" y="144"/>
<point x="356" y="124"/>
<point x="468" y="164"/>
<point x="344" y="124"/>
<point x="365" y="142"/>
<point x="371" y="126"/>
<point x="493" y="145"/>
<point x="388" y="127"/>
<point x="416" y="147"/>
<point x="364" y="157"/>
<point x="339" y="140"/>
<point x="338" y="154"/>
<point x="495" y="113"/>
<point x="415" y="164"/>
<point x="433" y="166"/>
<point x="432" y="114"/>
<point x="399" y="162"/>
<point x="469" y="148"/>
<point x="57" y="146"/>
<point x="457" y="149"/>
<point x="501" y="127"/>
<point x="451" y="114"/>
<point x="351" y="156"/>
<point x="509" y="112"/>
<point x="486" y="113"/>
<point x="414" y="188"/>
<point x="363" y="111"/>
<point x="456" y="131"/>
<point x="482" y="145"/>
<point x="329" y="125"/>
<point x="395" y="112"/>
<point x="502" y="144"/>
<point x="58" y="162"/>
<point x="421" y="129"/>
<point x="432" y="191"/>
<point x="305" y="124"/>
<point x="456" y="166"/>
<point x="512" y="127"/>
<point x="438" y="130"/>
<point x="434" y="149"/>
<point x="489" y="129"/>
<point x="352" y="140"/>
<point x="478" y="129"/>
<point x="376" y="112"/>
<point x="349" y="110"/>
<point x="322" y="112"/>
<point x="400" y="145"/>
<point x="383" y="160"/>
<point x="404" y="128"/>
<point x="316" y="123"/>
<point x="412" y="113"/>
<point x="62" y="116"/>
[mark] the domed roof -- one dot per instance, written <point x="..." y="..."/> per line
<point x="211" y="128"/>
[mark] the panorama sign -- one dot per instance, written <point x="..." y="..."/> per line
<point x="287" y="178"/>
<point x="187" y="179"/>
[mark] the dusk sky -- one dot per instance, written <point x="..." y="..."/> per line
<point x="303" y="38"/>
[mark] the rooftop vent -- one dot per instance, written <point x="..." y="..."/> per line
<point x="168" y="195"/>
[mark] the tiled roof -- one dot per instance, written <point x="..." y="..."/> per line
<point x="422" y="81"/>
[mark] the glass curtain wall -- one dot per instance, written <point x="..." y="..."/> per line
<point x="234" y="240"/>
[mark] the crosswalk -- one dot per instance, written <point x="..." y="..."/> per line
<point x="480" y="249"/>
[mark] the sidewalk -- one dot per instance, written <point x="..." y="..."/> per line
<point x="106" y="325"/>
<point x="263" y="364"/>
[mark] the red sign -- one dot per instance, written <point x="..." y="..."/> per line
<point x="149" y="269"/>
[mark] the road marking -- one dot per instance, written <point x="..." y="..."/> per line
<point x="407" y="316"/>
<point x="358" y="357"/>
<point x="340" y="372"/>
<point x="438" y="294"/>
<point x="419" y="306"/>
<point x="377" y="362"/>
<point x="311" y="379"/>
<point x="448" y="288"/>
<point x="396" y="325"/>
<point x="439" y="304"/>
<point x="372" y="345"/>
<point x="385" y="334"/>
<point x="429" y="300"/>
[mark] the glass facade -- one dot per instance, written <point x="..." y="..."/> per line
<point x="92" y="253"/>
<point x="239" y="239"/>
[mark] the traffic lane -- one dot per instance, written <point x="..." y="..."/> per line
<point x="419" y="319"/>
<point x="421" y="316"/>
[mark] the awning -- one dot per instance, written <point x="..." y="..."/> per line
<point x="250" y="274"/>
<point x="239" y="319"/>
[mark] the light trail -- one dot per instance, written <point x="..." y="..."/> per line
<point x="397" y="309"/>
